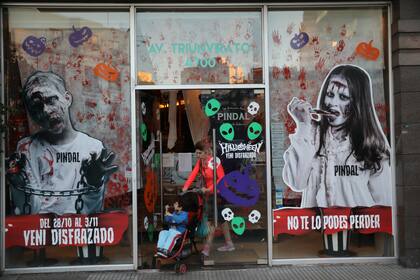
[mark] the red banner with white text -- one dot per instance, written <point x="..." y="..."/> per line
<point x="38" y="231"/>
<point x="299" y="221"/>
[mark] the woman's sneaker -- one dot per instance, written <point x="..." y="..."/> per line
<point x="226" y="248"/>
<point x="206" y="251"/>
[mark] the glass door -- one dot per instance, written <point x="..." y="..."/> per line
<point x="238" y="206"/>
<point x="179" y="134"/>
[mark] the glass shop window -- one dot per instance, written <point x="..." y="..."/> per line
<point x="177" y="48"/>
<point x="68" y="145"/>
<point x="329" y="98"/>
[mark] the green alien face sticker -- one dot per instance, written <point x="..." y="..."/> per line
<point x="226" y="130"/>
<point x="212" y="107"/>
<point x="143" y="130"/>
<point x="238" y="225"/>
<point x="254" y="130"/>
<point x="150" y="232"/>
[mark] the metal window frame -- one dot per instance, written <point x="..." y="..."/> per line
<point x="2" y="157"/>
<point x="265" y="8"/>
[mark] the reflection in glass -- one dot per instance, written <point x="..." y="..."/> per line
<point x="68" y="199"/>
<point x="199" y="48"/>
<point x="304" y="45"/>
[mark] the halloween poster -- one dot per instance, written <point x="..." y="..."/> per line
<point x="328" y="96"/>
<point x="69" y="171"/>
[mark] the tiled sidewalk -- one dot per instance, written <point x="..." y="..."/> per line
<point x="295" y="272"/>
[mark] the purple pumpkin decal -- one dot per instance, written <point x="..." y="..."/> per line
<point x="34" y="46"/>
<point x="239" y="189"/>
<point x="299" y="40"/>
<point x="80" y="36"/>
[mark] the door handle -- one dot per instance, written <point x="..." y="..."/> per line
<point x="214" y="178"/>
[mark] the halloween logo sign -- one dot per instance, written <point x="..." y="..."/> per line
<point x="240" y="150"/>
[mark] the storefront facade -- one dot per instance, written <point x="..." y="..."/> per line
<point x="108" y="103"/>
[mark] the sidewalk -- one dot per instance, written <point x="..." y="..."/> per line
<point x="296" y="272"/>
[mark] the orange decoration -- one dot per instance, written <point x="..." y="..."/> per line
<point x="106" y="72"/>
<point x="150" y="191"/>
<point x="368" y="51"/>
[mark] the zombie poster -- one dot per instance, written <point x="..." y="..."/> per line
<point x="332" y="162"/>
<point x="68" y="174"/>
<point x="339" y="158"/>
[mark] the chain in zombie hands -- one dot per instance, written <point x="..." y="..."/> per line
<point x="81" y="189"/>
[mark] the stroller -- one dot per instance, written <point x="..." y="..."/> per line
<point x="185" y="243"/>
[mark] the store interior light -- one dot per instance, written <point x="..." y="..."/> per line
<point x="166" y="105"/>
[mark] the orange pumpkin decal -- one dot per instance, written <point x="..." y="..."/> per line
<point x="150" y="191"/>
<point x="368" y="51"/>
<point x="106" y="72"/>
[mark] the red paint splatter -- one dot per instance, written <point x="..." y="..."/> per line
<point x="343" y="30"/>
<point x="117" y="185"/>
<point x="315" y="40"/>
<point x="352" y="57"/>
<point x="320" y="64"/>
<point x="80" y="117"/>
<point x="302" y="78"/>
<point x="111" y="116"/>
<point x="50" y="164"/>
<point x="276" y="37"/>
<point x="290" y="124"/>
<point x="341" y="45"/>
<point x="287" y="73"/>
<point x="24" y="147"/>
<point x="89" y="116"/>
<point x="317" y="52"/>
<point x="86" y="83"/>
<point x="290" y="28"/>
<point x="276" y="73"/>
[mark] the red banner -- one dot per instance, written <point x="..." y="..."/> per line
<point x="298" y="221"/>
<point x="38" y="231"/>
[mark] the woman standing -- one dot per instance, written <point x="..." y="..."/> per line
<point x="204" y="169"/>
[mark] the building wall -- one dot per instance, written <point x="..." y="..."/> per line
<point x="406" y="69"/>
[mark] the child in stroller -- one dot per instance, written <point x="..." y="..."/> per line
<point x="177" y="221"/>
<point x="176" y="242"/>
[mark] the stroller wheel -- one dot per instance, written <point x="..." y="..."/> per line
<point x="182" y="268"/>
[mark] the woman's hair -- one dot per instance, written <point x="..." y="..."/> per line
<point x="203" y="145"/>
<point x="369" y="144"/>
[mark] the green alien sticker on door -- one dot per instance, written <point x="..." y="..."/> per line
<point x="212" y="107"/>
<point x="254" y="130"/>
<point x="238" y="225"/>
<point x="227" y="131"/>
<point x="143" y="131"/>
